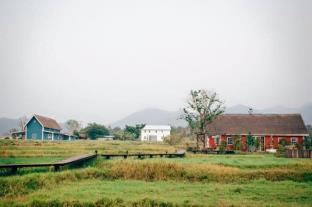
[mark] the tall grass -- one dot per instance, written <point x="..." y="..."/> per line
<point x="22" y="148"/>
<point x="148" y="171"/>
<point x="104" y="202"/>
<point x="160" y="170"/>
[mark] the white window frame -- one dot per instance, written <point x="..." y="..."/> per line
<point x="215" y="140"/>
<point x="293" y="142"/>
<point x="227" y="140"/>
<point x="49" y="136"/>
<point x="34" y="136"/>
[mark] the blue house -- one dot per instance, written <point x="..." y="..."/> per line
<point x="44" y="128"/>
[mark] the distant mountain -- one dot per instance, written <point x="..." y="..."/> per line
<point x="7" y="124"/>
<point x="158" y="116"/>
<point x="306" y="112"/>
<point x="152" y="116"/>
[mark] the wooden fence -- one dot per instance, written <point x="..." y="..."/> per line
<point x="298" y="153"/>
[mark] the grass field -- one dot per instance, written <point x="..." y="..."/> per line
<point x="198" y="180"/>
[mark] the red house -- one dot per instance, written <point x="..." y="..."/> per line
<point x="265" y="127"/>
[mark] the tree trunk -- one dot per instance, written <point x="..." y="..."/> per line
<point x="197" y="141"/>
<point x="205" y="141"/>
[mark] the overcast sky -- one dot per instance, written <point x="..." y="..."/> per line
<point x="101" y="60"/>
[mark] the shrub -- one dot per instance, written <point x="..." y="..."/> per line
<point x="307" y="142"/>
<point x="250" y="142"/>
<point x="237" y="143"/>
<point x="281" y="151"/>
<point x="283" y="142"/>
<point x="222" y="146"/>
<point x="257" y="143"/>
<point x="173" y="139"/>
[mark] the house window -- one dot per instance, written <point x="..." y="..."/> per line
<point x="33" y="135"/>
<point x="281" y="139"/>
<point x="229" y="140"/>
<point x="49" y="136"/>
<point x="217" y="140"/>
<point x="293" y="140"/>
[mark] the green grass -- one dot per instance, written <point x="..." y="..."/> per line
<point x="255" y="160"/>
<point x="22" y="148"/>
<point x="256" y="179"/>
<point x="255" y="193"/>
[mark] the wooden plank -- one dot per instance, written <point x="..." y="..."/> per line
<point x="81" y="158"/>
<point x="75" y="159"/>
<point x="70" y="160"/>
<point x="26" y="165"/>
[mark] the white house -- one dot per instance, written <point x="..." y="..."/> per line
<point x="155" y="132"/>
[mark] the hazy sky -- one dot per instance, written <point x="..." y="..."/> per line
<point x="101" y="60"/>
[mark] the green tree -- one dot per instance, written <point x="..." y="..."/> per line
<point x="174" y="139"/>
<point x="117" y="132"/>
<point x="94" y="130"/>
<point x="237" y="143"/>
<point x="250" y="142"/>
<point x="222" y="146"/>
<point x="257" y="143"/>
<point x="307" y="141"/>
<point x="134" y="131"/>
<point x="202" y="109"/>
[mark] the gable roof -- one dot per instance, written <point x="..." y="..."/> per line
<point x="236" y="124"/>
<point x="47" y="122"/>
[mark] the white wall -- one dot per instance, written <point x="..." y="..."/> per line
<point x="154" y="134"/>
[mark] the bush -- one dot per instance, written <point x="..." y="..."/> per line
<point x="281" y="151"/>
<point x="307" y="142"/>
<point x="283" y="142"/>
<point x="173" y="139"/>
<point x="222" y="146"/>
<point x="237" y="143"/>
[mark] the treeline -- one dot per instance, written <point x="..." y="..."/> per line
<point x="96" y="130"/>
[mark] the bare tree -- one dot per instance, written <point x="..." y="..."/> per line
<point x="73" y="125"/>
<point x="22" y="122"/>
<point x="202" y="108"/>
